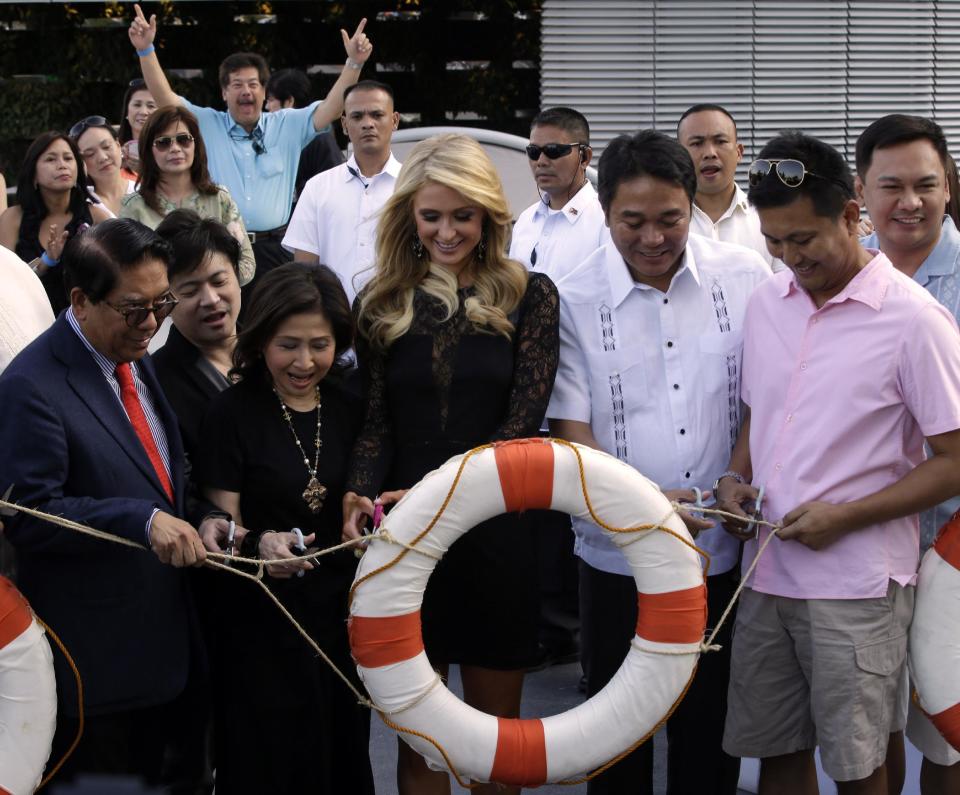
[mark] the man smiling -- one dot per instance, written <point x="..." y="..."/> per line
<point x="650" y="341"/>
<point x="847" y="366"/>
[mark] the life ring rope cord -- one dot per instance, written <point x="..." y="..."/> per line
<point x="218" y="561"/>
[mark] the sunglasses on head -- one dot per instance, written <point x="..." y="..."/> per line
<point x="163" y="143"/>
<point x="790" y="172"/>
<point x="135" y="316"/>
<point x="83" y="125"/>
<point x="552" y="151"/>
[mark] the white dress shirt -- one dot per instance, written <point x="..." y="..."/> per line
<point x="657" y="375"/>
<point x="25" y="311"/>
<point x="336" y="219"/>
<point x="738" y="224"/>
<point x="562" y="238"/>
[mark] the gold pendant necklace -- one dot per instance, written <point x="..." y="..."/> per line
<point x="315" y="492"/>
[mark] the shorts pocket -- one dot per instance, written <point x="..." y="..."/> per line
<point x="882" y="657"/>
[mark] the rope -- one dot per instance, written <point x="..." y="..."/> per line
<point x="221" y="562"/>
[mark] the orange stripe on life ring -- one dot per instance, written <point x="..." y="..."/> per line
<point x="376" y="642"/>
<point x="15" y="615"/>
<point x="525" y="467"/>
<point x="948" y="724"/>
<point x="521" y="756"/>
<point x="948" y="541"/>
<point x="672" y="617"/>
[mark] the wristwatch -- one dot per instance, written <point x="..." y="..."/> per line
<point x="728" y="474"/>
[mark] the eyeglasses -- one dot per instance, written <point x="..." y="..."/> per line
<point x="552" y="151"/>
<point x="83" y="125"/>
<point x="137" y="82"/>
<point x="790" y="172"/>
<point x="163" y="143"/>
<point x="136" y="315"/>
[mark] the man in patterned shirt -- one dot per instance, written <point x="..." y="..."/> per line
<point x="650" y="342"/>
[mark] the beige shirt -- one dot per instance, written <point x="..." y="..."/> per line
<point x="739" y="224"/>
<point x="220" y="206"/>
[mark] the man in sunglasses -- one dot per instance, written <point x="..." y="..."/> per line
<point x="90" y="437"/>
<point x="721" y="210"/>
<point x="902" y="180"/>
<point x="566" y="226"/>
<point x="848" y="365"/>
<point x="252" y="153"/>
<point x="650" y="341"/>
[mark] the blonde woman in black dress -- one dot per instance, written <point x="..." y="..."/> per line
<point x="458" y="347"/>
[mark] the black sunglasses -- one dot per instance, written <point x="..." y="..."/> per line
<point x="137" y="82"/>
<point x="552" y="151"/>
<point x="163" y="143"/>
<point x="136" y="315"/>
<point x="790" y="172"/>
<point x="83" y="125"/>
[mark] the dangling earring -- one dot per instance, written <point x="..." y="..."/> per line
<point x="417" y="245"/>
<point x="482" y="246"/>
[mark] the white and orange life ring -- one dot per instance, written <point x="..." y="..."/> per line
<point x="935" y="633"/>
<point x="525" y="474"/>
<point x="28" y="695"/>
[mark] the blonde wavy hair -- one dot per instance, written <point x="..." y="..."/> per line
<point x="386" y="304"/>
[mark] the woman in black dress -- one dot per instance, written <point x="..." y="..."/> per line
<point x="458" y="346"/>
<point x="274" y="454"/>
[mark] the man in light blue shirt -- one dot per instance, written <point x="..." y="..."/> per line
<point x="901" y="177"/>
<point x="252" y="153"/>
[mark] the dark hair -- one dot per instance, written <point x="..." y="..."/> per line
<point x="292" y="289"/>
<point x="287" y="84"/>
<point x="193" y="239"/>
<point x="829" y="186"/>
<point x="93" y="260"/>
<point x="243" y="60"/>
<point x="31" y="200"/>
<point x="703" y="107"/>
<point x="953" y="183"/>
<point x="126" y="131"/>
<point x="368" y="85"/>
<point x="569" y="120"/>
<point x="647" y="153"/>
<point x="898" y="128"/>
<point x="150" y="173"/>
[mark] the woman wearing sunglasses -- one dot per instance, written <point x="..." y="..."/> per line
<point x="138" y="104"/>
<point x="100" y="150"/>
<point x="174" y="175"/>
<point x="52" y="204"/>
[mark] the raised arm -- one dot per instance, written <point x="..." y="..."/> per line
<point x="358" y="49"/>
<point x="142" y="34"/>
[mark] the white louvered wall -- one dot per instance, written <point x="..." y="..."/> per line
<point x="828" y="67"/>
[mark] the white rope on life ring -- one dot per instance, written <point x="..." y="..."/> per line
<point x="513" y="476"/>
<point x="935" y="633"/>
<point x="28" y="695"/>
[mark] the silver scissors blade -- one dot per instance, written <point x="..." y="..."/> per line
<point x="6" y="498"/>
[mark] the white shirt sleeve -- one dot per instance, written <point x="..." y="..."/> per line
<point x="570" y="399"/>
<point x="303" y="229"/>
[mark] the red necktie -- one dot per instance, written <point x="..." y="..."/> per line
<point x="131" y="402"/>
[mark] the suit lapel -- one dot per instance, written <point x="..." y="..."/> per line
<point x="87" y="381"/>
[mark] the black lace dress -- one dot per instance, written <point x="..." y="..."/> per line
<point x="438" y="391"/>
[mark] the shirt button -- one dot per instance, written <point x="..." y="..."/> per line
<point x="803" y="365"/>
<point x="676" y="386"/>
<point x="686" y="474"/>
<point x="778" y="467"/>
<point x="683" y="431"/>
<point x="815" y="320"/>
<point x="669" y="344"/>
<point x="789" y="418"/>
<point x="666" y="300"/>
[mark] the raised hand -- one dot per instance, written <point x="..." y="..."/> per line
<point x="358" y="46"/>
<point x="142" y="33"/>
<point x="56" y="240"/>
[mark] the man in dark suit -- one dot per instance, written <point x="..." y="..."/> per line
<point x="88" y="435"/>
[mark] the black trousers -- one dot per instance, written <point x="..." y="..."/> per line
<point x="696" y="762"/>
<point x="559" y="631"/>
<point x="268" y="254"/>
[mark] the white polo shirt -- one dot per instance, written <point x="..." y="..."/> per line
<point x="657" y="375"/>
<point x="336" y="219"/>
<point x="738" y="224"/>
<point x="561" y="238"/>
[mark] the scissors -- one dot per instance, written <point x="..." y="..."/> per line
<point x="756" y="516"/>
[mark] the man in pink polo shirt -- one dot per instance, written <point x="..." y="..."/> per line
<point x="848" y="365"/>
